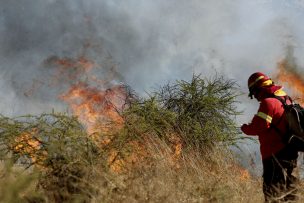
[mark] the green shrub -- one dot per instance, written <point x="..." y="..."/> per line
<point x="58" y="147"/>
<point x="201" y="112"/>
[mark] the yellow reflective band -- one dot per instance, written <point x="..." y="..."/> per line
<point x="266" y="83"/>
<point x="280" y="93"/>
<point x="265" y="117"/>
<point x="259" y="78"/>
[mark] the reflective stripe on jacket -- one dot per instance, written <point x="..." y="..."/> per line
<point x="270" y="112"/>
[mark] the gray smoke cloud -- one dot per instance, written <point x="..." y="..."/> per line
<point x="151" y="42"/>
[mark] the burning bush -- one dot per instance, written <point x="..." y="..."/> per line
<point x="195" y="115"/>
<point x="185" y="115"/>
<point x="58" y="147"/>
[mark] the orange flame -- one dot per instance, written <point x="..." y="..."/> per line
<point x="289" y="76"/>
<point x="99" y="110"/>
<point x="244" y="175"/>
<point x="69" y="69"/>
<point x="28" y="144"/>
<point x="136" y="156"/>
<point x="96" y="107"/>
<point x="82" y="64"/>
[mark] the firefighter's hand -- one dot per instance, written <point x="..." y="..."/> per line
<point x="243" y="128"/>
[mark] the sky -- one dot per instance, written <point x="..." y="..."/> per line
<point x="150" y="43"/>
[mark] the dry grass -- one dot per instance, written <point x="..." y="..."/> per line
<point x="212" y="176"/>
<point x="193" y="177"/>
<point x="16" y="184"/>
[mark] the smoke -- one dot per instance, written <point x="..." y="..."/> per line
<point x="145" y="44"/>
<point x="149" y="42"/>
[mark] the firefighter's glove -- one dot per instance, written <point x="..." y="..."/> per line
<point x="244" y="128"/>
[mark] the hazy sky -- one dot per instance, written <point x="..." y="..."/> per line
<point x="151" y="42"/>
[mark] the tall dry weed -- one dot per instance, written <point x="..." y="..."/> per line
<point x="194" y="177"/>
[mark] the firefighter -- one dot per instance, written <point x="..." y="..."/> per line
<point x="269" y="124"/>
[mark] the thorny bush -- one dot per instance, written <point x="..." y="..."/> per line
<point x="200" y="112"/>
<point x="58" y="146"/>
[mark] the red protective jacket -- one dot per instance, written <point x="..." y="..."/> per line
<point x="270" y="112"/>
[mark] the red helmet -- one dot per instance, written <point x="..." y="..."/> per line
<point x="257" y="80"/>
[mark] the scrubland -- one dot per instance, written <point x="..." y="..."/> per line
<point x="172" y="146"/>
